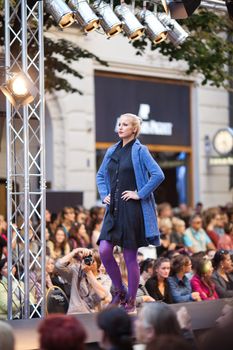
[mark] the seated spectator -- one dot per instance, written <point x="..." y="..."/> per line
<point x="226" y="240"/>
<point x="67" y="219"/>
<point x="146" y="271"/>
<point x="184" y="213"/>
<point x="195" y="238"/>
<point x="58" y="245"/>
<point x="165" y="226"/>
<point x="164" y="210"/>
<point x="7" y="341"/>
<point x="177" y="233"/>
<point x="53" y="279"/>
<point x="78" y="236"/>
<point x="89" y="288"/>
<point x="116" y="328"/>
<point x="222" y="275"/>
<point x="61" y="332"/>
<point x="179" y="284"/>
<point x="157" y="286"/>
<point x="201" y="282"/>
<point x="157" y="319"/>
<point x="80" y="214"/>
<point x="211" y="220"/>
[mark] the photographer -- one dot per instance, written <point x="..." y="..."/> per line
<point x="89" y="289"/>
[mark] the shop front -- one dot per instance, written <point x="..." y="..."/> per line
<point x="165" y="108"/>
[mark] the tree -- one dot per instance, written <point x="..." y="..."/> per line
<point x="208" y="51"/>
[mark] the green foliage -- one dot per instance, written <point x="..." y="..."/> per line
<point x="208" y="51"/>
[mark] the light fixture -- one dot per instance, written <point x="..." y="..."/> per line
<point x="19" y="89"/>
<point x="131" y="25"/>
<point x="182" y="8"/>
<point x="108" y="20"/>
<point x="84" y="15"/>
<point x="155" y="30"/>
<point x="60" y="12"/>
<point x="176" y="34"/>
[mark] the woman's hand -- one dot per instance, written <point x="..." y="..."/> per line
<point x="126" y="195"/>
<point x="81" y="252"/>
<point x="107" y="199"/>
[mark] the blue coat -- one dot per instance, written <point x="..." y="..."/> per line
<point x="148" y="177"/>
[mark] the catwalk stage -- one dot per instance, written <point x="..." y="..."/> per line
<point x="203" y="316"/>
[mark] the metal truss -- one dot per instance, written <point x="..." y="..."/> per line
<point x="25" y="163"/>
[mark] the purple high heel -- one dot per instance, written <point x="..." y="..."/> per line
<point x="119" y="296"/>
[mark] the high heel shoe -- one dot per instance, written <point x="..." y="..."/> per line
<point x="119" y="296"/>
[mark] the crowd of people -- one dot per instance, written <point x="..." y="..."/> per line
<point x="193" y="262"/>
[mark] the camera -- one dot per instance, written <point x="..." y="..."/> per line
<point x="88" y="260"/>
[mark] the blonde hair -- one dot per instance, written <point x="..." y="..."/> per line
<point x="136" y="122"/>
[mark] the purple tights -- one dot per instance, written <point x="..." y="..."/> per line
<point x="110" y="264"/>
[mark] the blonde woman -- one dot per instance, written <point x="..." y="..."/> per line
<point x="126" y="181"/>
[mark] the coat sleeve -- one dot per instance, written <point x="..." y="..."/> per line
<point x="155" y="173"/>
<point x="101" y="184"/>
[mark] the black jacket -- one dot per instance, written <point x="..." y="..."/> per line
<point x="153" y="290"/>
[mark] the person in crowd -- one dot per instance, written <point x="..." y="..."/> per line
<point x="94" y="226"/>
<point x="67" y="219"/>
<point x="199" y="208"/>
<point x="61" y="332"/>
<point x="80" y="214"/>
<point x="157" y="286"/>
<point x="3" y="227"/>
<point x="222" y="275"/>
<point x="165" y="226"/>
<point x="184" y="213"/>
<point x="7" y="340"/>
<point x="126" y="181"/>
<point x="226" y="240"/>
<point x="201" y="282"/>
<point x="89" y="289"/>
<point x="140" y="257"/>
<point x="179" y="284"/>
<point x="53" y="279"/>
<point x="169" y="342"/>
<point x="211" y="219"/>
<point x="3" y="248"/>
<point x="157" y="319"/>
<point x="146" y="271"/>
<point x="117" y="330"/>
<point x="164" y="210"/>
<point x="48" y="221"/>
<point x="58" y="245"/>
<point x="78" y="236"/>
<point x="178" y="233"/>
<point x="195" y="238"/>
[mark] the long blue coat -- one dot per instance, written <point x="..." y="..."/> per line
<point x="148" y="176"/>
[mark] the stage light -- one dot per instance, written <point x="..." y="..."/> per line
<point x="155" y="30"/>
<point x="176" y="34"/>
<point x="84" y="15"/>
<point x="131" y="25"/>
<point x="19" y="89"/>
<point x="182" y="8"/>
<point x="229" y="5"/>
<point x="108" y="20"/>
<point x="60" y="12"/>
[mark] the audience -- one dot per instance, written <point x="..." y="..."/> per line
<point x="201" y="282"/>
<point x="223" y="274"/>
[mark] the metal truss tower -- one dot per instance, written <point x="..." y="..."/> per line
<point x="25" y="163"/>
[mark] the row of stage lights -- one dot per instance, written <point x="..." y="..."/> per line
<point x="156" y="25"/>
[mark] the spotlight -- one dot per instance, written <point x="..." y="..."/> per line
<point x="131" y="26"/>
<point x="229" y="5"/>
<point x="19" y="89"/>
<point x="84" y="15"/>
<point x="176" y="33"/>
<point x="182" y="8"/>
<point x="155" y="30"/>
<point x="60" y="12"/>
<point x="108" y="20"/>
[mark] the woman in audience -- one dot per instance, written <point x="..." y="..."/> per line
<point x="222" y="275"/>
<point x="177" y="234"/>
<point x="201" y="282"/>
<point x="157" y="286"/>
<point x="67" y="219"/>
<point x="226" y="240"/>
<point x="179" y="284"/>
<point x="165" y="226"/>
<point x="116" y="328"/>
<point x="59" y="245"/>
<point x="78" y="236"/>
<point x="61" y="332"/>
<point x="146" y="272"/>
<point x="53" y="279"/>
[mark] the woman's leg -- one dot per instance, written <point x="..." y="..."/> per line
<point x="130" y="256"/>
<point x="110" y="264"/>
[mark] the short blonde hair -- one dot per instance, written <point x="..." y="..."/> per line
<point x="136" y="121"/>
